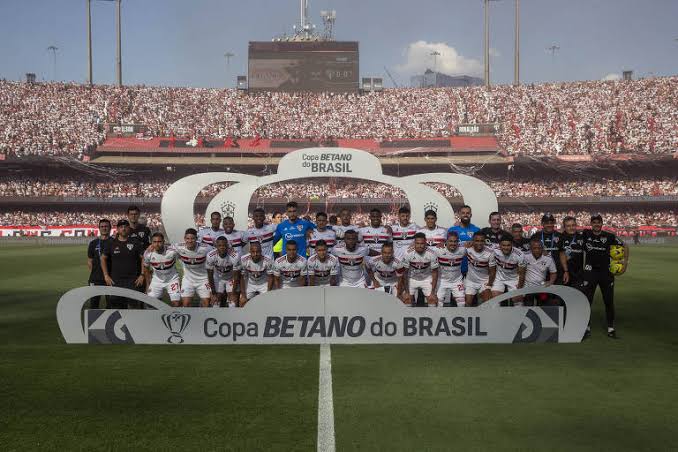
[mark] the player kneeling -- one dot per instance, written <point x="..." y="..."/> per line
<point x="223" y="273"/>
<point x="538" y="267"/>
<point x="386" y="272"/>
<point x="322" y="267"/>
<point x="193" y="256"/>
<point x="510" y="269"/>
<point x="482" y="269"/>
<point x="451" y="284"/>
<point x="257" y="273"/>
<point x="422" y="271"/>
<point x="161" y="260"/>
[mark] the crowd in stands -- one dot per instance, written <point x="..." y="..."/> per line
<point x="597" y="117"/>
<point x="342" y="188"/>
<point x="531" y="218"/>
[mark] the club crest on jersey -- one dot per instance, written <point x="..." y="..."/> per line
<point x="603" y="239"/>
<point x="227" y="209"/>
<point x="300" y="227"/>
<point x="130" y="246"/>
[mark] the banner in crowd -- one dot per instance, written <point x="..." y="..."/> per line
<point x="77" y="230"/>
<point x="471" y="130"/>
<point x="126" y="130"/>
<point x="178" y="200"/>
<point x="313" y="315"/>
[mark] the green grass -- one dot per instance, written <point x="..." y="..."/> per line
<point x="598" y="395"/>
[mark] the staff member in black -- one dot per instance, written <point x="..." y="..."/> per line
<point x="571" y="247"/>
<point x="520" y="242"/>
<point x="494" y="233"/>
<point x="138" y="231"/>
<point x="122" y="263"/>
<point x="94" y="249"/>
<point x="596" y="272"/>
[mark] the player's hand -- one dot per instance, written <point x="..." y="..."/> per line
<point x="376" y="285"/>
<point x="432" y="299"/>
<point x="243" y="300"/>
<point x="623" y="270"/>
<point x="109" y="281"/>
<point x="407" y="298"/>
<point x="566" y="278"/>
<point x="214" y="298"/>
<point x="139" y="281"/>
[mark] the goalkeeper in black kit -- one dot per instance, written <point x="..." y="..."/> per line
<point x="596" y="261"/>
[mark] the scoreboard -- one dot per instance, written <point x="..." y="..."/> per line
<point x="330" y="66"/>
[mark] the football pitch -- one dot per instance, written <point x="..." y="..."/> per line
<point x="603" y="394"/>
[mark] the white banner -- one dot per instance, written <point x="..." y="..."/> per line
<point x="49" y="231"/>
<point x="313" y="315"/>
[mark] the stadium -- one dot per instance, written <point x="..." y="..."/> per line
<point x="558" y="155"/>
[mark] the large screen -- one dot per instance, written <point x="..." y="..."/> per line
<point x="303" y="66"/>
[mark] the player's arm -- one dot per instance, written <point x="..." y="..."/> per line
<point x="271" y="281"/>
<point x="302" y="278"/>
<point x="139" y="282"/>
<point x="213" y="289"/>
<point x="236" y="280"/>
<point x="243" y="287"/>
<point x="434" y="283"/>
<point x="373" y="280"/>
<point x="147" y="277"/>
<point x="626" y="260"/>
<point x="492" y="271"/>
<point x="563" y="265"/>
<point x="334" y="280"/>
<point x="277" y="235"/>
<point x="104" y="268"/>
<point x="552" y="279"/>
<point x="521" y="276"/>
<point x="90" y="259"/>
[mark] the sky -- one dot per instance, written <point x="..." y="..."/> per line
<point x="182" y="42"/>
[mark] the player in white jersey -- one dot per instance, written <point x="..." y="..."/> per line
<point x="376" y="234"/>
<point x="344" y="225"/>
<point x="482" y="269"/>
<point x="510" y="268"/>
<point x="223" y="272"/>
<point x="451" y="280"/>
<point x="435" y="235"/>
<point x="403" y="232"/>
<point x="539" y="266"/>
<point x="352" y="258"/>
<point x="236" y="239"/>
<point x="289" y="270"/>
<point x="193" y="256"/>
<point x="386" y="272"/>
<point x="257" y="274"/>
<point x="322" y="268"/>
<point x="421" y="264"/>
<point x="161" y="260"/>
<point x="209" y="236"/>
<point x="321" y="232"/>
<point x="262" y="233"/>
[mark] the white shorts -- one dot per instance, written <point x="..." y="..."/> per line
<point x="389" y="288"/>
<point x="360" y="283"/>
<point x="190" y="288"/>
<point x="473" y="288"/>
<point x="455" y="288"/>
<point x="424" y="285"/>
<point x="254" y="290"/>
<point x="223" y="285"/>
<point x="156" y="288"/>
<point x="500" y="285"/>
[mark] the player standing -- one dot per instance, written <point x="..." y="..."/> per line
<point x="451" y="281"/>
<point x="519" y="240"/>
<point x="421" y="265"/>
<point x="262" y="233"/>
<point x="294" y="228"/>
<point x="193" y="256"/>
<point x="386" y="272"/>
<point x="165" y="278"/>
<point x="321" y="233"/>
<point x="435" y="235"/>
<point x="209" y="235"/>
<point x="223" y="273"/>
<point x="482" y="270"/>
<point x="138" y="231"/>
<point x="94" y="250"/>
<point x="596" y="273"/>
<point x="322" y="268"/>
<point x="510" y="269"/>
<point x="345" y="225"/>
<point x="236" y="239"/>
<point x="571" y="246"/>
<point x="257" y="274"/>
<point x="465" y="229"/>
<point x="403" y="232"/>
<point x="289" y="270"/>
<point x="351" y="258"/>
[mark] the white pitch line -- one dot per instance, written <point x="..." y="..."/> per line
<point x="326" y="442"/>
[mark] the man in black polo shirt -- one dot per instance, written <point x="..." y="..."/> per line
<point x="571" y="248"/>
<point x="520" y="242"/>
<point x="596" y="272"/>
<point x="138" y="231"/>
<point x="494" y="233"/>
<point x="94" y="250"/>
<point x="122" y="264"/>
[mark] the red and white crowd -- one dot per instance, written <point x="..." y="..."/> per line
<point x="595" y="117"/>
<point x="340" y="188"/>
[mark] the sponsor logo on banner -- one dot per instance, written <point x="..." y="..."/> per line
<point x="313" y="315"/>
<point x="327" y="162"/>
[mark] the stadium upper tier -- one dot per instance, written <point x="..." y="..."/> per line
<point x="550" y="119"/>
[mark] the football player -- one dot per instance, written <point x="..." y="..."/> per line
<point x="421" y="265"/>
<point x="482" y="270"/>
<point x="209" y="235"/>
<point x="435" y="235"/>
<point x="165" y="278"/>
<point x="257" y="273"/>
<point x="289" y="270"/>
<point x="510" y="269"/>
<point x="386" y="271"/>
<point x="322" y="267"/>
<point x="450" y="259"/>
<point x="223" y="273"/>
<point x="351" y="256"/>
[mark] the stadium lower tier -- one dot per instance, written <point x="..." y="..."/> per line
<point x="65" y="222"/>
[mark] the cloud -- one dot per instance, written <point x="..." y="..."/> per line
<point x="611" y="77"/>
<point x="494" y="52"/>
<point x="418" y="59"/>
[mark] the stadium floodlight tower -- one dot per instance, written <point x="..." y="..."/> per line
<point x="329" y="18"/>
<point x="305" y="31"/>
